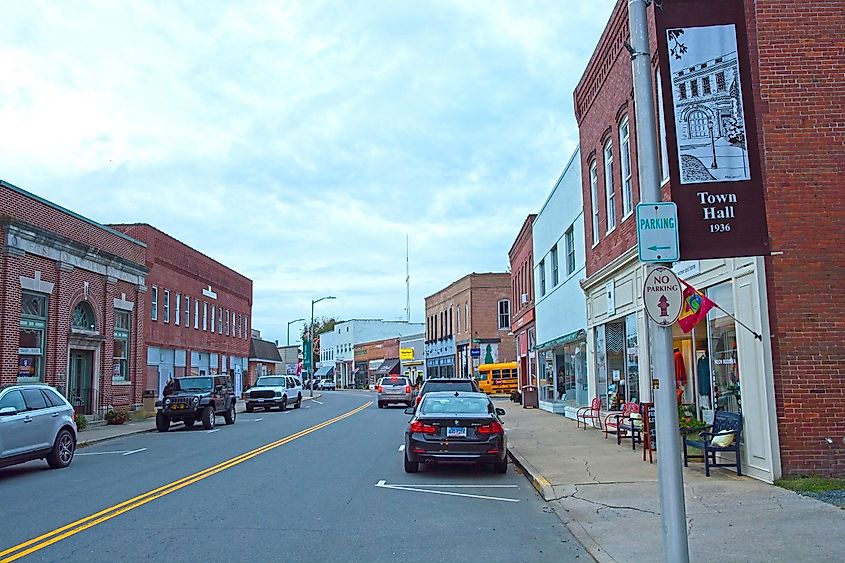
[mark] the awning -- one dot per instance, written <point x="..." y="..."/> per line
<point x="386" y="367"/>
<point x="579" y="334"/>
<point x="326" y="371"/>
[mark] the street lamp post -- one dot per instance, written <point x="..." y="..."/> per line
<point x="311" y="336"/>
<point x="714" y="165"/>
<point x="290" y="323"/>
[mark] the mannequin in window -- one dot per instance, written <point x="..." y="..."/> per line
<point x="680" y="374"/>
<point x="702" y="374"/>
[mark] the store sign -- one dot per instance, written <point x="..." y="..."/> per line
<point x="475" y="352"/>
<point x="711" y="132"/>
<point x="663" y="296"/>
<point x="406" y="354"/>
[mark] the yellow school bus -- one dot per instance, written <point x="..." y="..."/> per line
<point x="498" y="378"/>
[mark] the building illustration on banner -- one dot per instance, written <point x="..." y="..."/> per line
<point x="707" y="96"/>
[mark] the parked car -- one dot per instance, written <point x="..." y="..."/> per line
<point x="455" y="426"/>
<point x="326" y="384"/>
<point x="394" y="389"/>
<point x="197" y="398"/>
<point x="36" y="422"/>
<point x="274" y="391"/>
<point x="447" y="384"/>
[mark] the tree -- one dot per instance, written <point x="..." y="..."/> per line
<point x="321" y="325"/>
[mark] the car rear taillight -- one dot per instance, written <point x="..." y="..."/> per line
<point x="419" y="398"/>
<point x="407" y="389"/>
<point x="421" y="428"/>
<point x="492" y="428"/>
<point x="378" y="388"/>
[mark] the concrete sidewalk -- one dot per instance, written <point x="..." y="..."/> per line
<point x="609" y="499"/>
<point x="97" y="434"/>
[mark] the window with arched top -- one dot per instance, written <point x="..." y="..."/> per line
<point x="83" y="317"/>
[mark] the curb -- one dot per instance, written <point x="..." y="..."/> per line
<point x="82" y="443"/>
<point x="546" y="491"/>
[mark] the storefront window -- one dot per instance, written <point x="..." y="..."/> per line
<point x="632" y="355"/>
<point x="615" y="341"/>
<point x="33" y="326"/>
<point x="723" y="354"/>
<point x="601" y="365"/>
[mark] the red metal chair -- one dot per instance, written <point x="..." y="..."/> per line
<point x="613" y="418"/>
<point x="593" y="412"/>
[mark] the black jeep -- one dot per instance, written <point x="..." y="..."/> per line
<point x="197" y="398"/>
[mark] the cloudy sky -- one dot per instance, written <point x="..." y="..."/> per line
<point x="299" y="142"/>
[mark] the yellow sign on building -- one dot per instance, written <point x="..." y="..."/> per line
<point x="406" y="354"/>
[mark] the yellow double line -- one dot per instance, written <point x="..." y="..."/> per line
<point x="57" y="535"/>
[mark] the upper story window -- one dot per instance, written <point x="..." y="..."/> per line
<point x="504" y="314"/>
<point x="196" y="314"/>
<point x="154" y="304"/>
<point x="625" y="162"/>
<point x="213" y="310"/>
<point x="219" y="320"/>
<point x="83" y="317"/>
<point x="187" y="312"/>
<point x="205" y="315"/>
<point x="458" y="316"/>
<point x="721" y="86"/>
<point x="569" y="242"/>
<point x="610" y="193"/>
<point x="177" y="312"/>
<point x="705" y="85"/>
<point x="682" y="90"/>
<point x="542" y="268"/>
<point x="594" y="200"/>
<point x="167" y="305"/>
<point x="693" y="87"/>
<point x="227" y="322"/>
<point x="555" y="277"/>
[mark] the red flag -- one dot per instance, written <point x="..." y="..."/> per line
<point x="694" y="307"/>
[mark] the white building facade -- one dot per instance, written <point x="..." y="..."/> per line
<point x="338" y="346"/>
<point x="559" y="301"/>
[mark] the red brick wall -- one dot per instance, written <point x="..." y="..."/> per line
<point x="68" y="290"/>
<point x="521" y="257"/>
<point x="801" y="112"/>
<point x="176" y="267"/>
<point x="486" y="292"/>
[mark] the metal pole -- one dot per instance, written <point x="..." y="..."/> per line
<point x="290" y="323"/>
<point x="670" y="478"/>
<point x="311" y="353"/>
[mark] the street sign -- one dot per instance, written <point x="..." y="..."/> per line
<point x="475" y="352"/>
<point x="663" y="296"/>
<point x="657" y="232"/>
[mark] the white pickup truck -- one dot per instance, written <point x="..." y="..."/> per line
<point x="274" y="391"/>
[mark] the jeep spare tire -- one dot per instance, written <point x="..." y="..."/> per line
<point x="208" y="417"/>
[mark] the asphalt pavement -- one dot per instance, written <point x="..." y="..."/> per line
<point x="321" y="483"/>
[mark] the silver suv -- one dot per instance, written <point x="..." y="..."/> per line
<point x="36" y="422"/>
<point x="394" y="389"/>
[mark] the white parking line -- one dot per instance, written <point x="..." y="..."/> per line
<point x="382" y="484"/>
<point x="427" y="485"/>
<point x="210" y="431"/>
<point x="135" y="451"/>
<point x="316" y="401"/>
<point x="121" y="452"/>
<point x="402" y="448"/>
<point x="257" y="419"/>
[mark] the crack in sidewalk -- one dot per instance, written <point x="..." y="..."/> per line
<point x="605" y="505"/>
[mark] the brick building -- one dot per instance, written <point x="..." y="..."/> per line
<point x="473" y="312"/>
<point x="198" y="318"/>
<point x="791" y="382"/>
<point x="377" y="359"/>
<point x="521" y="258"/>
<point x="71" y="296"/>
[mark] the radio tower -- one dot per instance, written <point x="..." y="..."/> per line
<point x="407" y="282"/>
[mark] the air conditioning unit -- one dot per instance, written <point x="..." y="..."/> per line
<point x="524" y="299"/>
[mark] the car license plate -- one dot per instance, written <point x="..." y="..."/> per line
<point x="456" y="432"/>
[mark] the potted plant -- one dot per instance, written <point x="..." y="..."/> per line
<point x="116" y="416"/>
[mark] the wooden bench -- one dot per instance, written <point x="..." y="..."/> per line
<point x="724" y="423"/>
<point x="593" y="412"/>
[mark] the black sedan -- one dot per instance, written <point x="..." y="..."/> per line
<point x="455" y="426"/>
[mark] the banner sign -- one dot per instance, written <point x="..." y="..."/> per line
<point x="406" y="354"/>
<point x="711" y="132"/>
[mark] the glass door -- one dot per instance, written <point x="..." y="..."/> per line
<point x="80" y="379"/>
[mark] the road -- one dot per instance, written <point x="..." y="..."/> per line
<point x="322" y="483"/>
